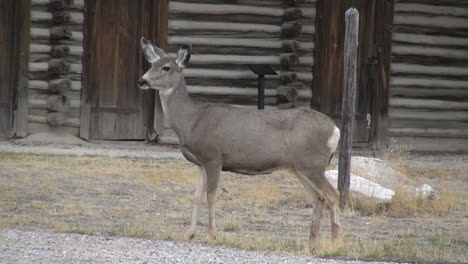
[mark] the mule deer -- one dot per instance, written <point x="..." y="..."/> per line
<point x="218" y="137"/>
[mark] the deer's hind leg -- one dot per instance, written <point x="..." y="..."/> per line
<point x="317" y="180"/>
<point x="318" y="204"/>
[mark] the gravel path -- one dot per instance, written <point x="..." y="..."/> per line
<point x="20" y="246"/>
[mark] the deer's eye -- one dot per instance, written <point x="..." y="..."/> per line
<point x="166" y="68"/>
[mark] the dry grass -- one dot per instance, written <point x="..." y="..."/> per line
<point x="153" y="199"/>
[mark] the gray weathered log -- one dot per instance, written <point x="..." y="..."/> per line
<point x="291" y="29"/>
<point x="61" y="4"/>
<point x="60" y="86"/>
<point x="348" y="106"/>
<point x="289" y="45"/>
<point x="60" y="51"/>
<point x="59" y="66"/>
<point x="286" y="94"/>
<point x="58" y="103"/>
<point x="293" y="2"/>
<point x="57" y="119"/>
<point x="292" y="14"/>
<point x="288" y="77"/>
<point x="288" y="60"/>
<point x="60" y="32"/>
<point x="61" y="17"/>
<point x="286" y="106"/>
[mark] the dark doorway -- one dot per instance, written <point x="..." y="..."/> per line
<point x="9" y="43"/>
<point x="375" y="23"/>
<point x="114" y="108"/>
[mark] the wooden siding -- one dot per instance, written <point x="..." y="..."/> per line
<point x="428" y="102"/>
<point x="227" y="37"/>
<point x="55" y="66"/>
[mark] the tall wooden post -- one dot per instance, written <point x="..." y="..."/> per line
<point x="348" y="106"/>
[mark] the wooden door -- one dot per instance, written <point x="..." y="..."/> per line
<point x="8" y="65"/>
<point x="375" y="22"/>
<point x="114" y="107"/>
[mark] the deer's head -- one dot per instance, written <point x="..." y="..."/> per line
<point x="165" y="71"/>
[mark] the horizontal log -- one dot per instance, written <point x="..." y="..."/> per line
<point x="61" y="4"/>
<point x="430" y="39"/>
<point x="40" y="102"/>
<point x="437" y="144"/>
<point x="57" y="17"/>
<point x="222" y="9"/>
<point x="308" y="12"/>
<point x="308" y="29"/>
<point x="56" y="33"/>
<point x="429" y="51"/>
<point x="56" y="119"/>
<point x="287" y="94"/>
<point x="428" y="92"/>
<point x="427" y="104"/>
<point x="222" y="74"/>
<point x="294" y="2"/>
<point x="415" y="114"/>
<point x="55" y="86"/>
<point x="43" y="48"/>
<point x="292" y="14"/>
<point x="431" y="9"/>
<point x="427" y="124"/>
<point x="231" y="59"/>
<point x="429" y="132"/>
<point x="432" y="70"/>
<point x="428" y="82"/>
<point x="44" y="127"/>
<point x="430" y="21"/>
<point x="288" y="77"/>
<point x="214" y="41"/>
<point x="222" y="26"/>
<point x="58" y="103"/>
<point x="288" y="60"/>
<point x="291" y="29"/>
<point x="268" y="43"/>
<point x="227" y="91"/>
<point x="60" y="86"/>
<point x="58" y="66"/>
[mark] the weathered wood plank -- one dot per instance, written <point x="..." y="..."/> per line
<point x="416" y="92"/>
<point x="427" y="104"/>
<point x="222" y="9"/>
<point x="430" y="39"/>
<point x="428" y="144"/>
<point x="418" y="114"/>
<point x="429" y="51"/>
<point x="428" y="82"/>
<point x="431" y="9"/>
<point x="221" y="26"/>
<point x="432" y="70"/>
<point x="429" y="132"/>
<point x="432" y="21"/>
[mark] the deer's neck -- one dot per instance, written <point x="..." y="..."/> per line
<point x="179" y="109"/>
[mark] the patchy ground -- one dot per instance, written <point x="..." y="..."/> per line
<point x="152" y="198"/>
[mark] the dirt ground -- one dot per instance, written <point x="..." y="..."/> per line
<point x="152" y="198"/>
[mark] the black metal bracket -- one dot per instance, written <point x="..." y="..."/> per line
<point x="261" y="70"/>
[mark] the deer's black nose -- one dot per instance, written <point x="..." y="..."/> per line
<point x="142" y="82"/>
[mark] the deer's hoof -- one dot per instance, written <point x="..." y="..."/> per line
<point x="335" y="232"/>
<point x="189" y="236"/>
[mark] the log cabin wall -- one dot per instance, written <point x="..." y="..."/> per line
<point x="226" y="37"/>
<point x="55" y="65"/>
<point x="428" y="104"/>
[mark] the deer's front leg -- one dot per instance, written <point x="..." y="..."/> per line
<point x="213" y="171"/>
<point x="200" y="190"/>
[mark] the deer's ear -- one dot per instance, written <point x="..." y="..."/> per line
<point x="148" y="50"/>
<point x="183" y="56"/>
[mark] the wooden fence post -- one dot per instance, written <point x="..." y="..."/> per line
<point x="348" y="106"/>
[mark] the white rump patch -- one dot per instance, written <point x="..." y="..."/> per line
<point x="332" y="142"/>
